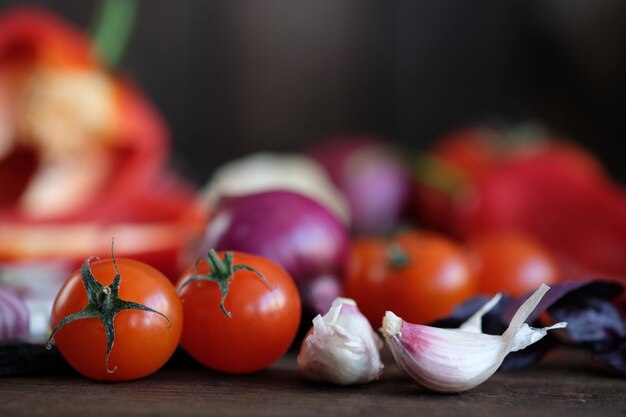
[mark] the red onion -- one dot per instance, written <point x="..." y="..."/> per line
<point x="13" y="315"/>
<point x="293" y="230"/>
<point x="265" y="171"/>
<point x="319" y="293"/>
<point x="374" y="180"/>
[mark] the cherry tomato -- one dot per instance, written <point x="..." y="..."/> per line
<point x="512" y="263"/>
<point x="143" y="339"/>
<point x="420" y="276"/>
<point x="257" y="321"/>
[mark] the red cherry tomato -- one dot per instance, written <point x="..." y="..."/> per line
<point x="264" y="308"/>
<point x="143" y="340"/>
<point x="420" y="276"/>
<point x="512" y="263"/>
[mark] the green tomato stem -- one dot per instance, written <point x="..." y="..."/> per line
<point x="221" y="272"/>
<point x="103" y="303"/>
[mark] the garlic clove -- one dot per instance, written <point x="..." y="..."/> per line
<point x="456" y="360"/>
<point x="341" y="347"/>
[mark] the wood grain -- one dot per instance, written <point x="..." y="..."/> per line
<point x="565" y="384"/>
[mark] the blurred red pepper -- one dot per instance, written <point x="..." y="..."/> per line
<point x="81" y="148"/>
<point x="549" y="188"/>
<point x="582" y="219"/>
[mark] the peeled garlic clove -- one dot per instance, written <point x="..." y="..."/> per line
<point x="341" y="347"/>
<point x="456" y="360"/>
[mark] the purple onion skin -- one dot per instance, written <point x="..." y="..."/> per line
<point x="13" y="315"/>
<point x="319" y="293"/>
<point x="374" y="180"/>
<point x="288" y="228"/>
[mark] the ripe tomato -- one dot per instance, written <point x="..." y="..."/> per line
<point x="264" y="311"/>
<point x="512" y="263"/>
<point x="143" y="340"/>
<point x="420" y="276"/>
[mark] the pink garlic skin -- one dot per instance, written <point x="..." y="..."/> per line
<point x="341" y="347"/>
<point x="456" y="360"/>
<point x="421" y="349"/>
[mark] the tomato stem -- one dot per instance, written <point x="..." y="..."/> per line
<point x="397" y="256"/>
<point x="103" y="303"/>
<point x="221" y="271"/>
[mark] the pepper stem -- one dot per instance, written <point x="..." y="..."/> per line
<point x="113" y="24"/>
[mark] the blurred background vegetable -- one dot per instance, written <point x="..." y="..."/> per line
<point x="85" y="155"/>
<point x="418" y="274"/>
<point x="272" y="171"/>
<point x="513" y="263"/>
<point x="371" y="175"/>
<point x="233" y="78"/>
<point x="13" y="315"/>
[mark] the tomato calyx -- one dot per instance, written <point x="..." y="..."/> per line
<point x="397" y="257"/>
<point x="222" y="272"/>
<point x="103" y="303"/>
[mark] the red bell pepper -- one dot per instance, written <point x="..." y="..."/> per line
<point x="581" y="219"/>
<point x="29" y="35"/>
<point x="550" y="189"/>
<point x="135" y="194"/>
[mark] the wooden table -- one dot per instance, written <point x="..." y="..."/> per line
<point x="566" y="384"/>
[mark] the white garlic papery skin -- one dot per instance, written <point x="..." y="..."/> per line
<point x="456" y="360"/>
<point x="341" y="347"/>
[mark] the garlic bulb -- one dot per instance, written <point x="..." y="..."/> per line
<point x="456" y="360"/>
<point x="341" y="347"/>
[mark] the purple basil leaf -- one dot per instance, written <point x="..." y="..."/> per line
<point x="593" y="322"/>
<point x="596" y="326"/>
<point x="492" y="322"/>
<point x="530" y="355"/>
<point x="570" y="289"/>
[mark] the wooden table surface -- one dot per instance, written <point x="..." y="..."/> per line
<point x="565" y="384"/>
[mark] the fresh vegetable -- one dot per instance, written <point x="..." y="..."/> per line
<point x="541" y="197"/>
<point x="290" y="229"/>
<point x="241" y="311"/>
<point x="83" y="152"/>
<point x="456" y="360"/>
<point x="37" y="285"/>
<point x="319" y="293"/>
<point x="475" y="182"/>
<point x="595" y="325"/>
<point x="269" y="171"/>
<point x="116" y="320"/>
<point x="13" y="315"/>
<point x="341" y="347"/>
<point x="419" y="275"/>
<point x="512" y="263"/>
<point x="373" y="178"/>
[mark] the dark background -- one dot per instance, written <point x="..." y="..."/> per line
<point x="233" y="77"/>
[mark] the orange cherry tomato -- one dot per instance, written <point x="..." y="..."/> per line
<point x="252" y="326"/>
<point x="420" y="276"/>
<point x="512" y="263"/>
<point x="143" y="340"/>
